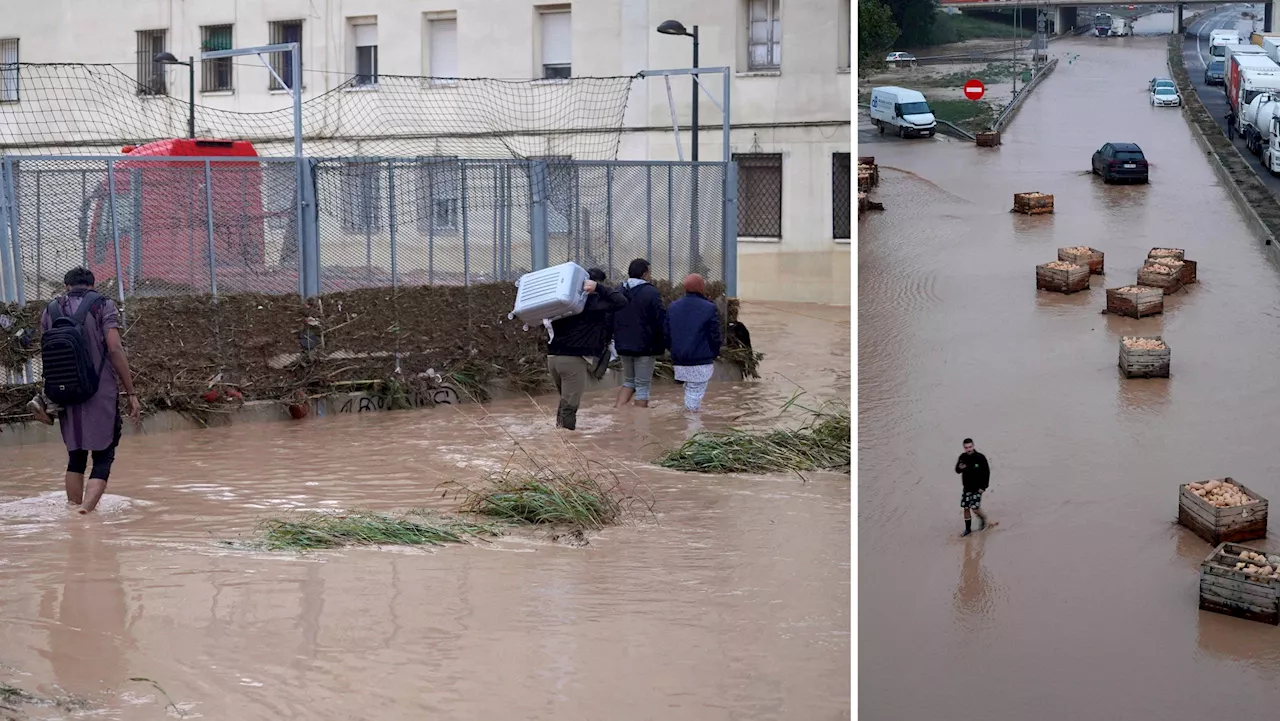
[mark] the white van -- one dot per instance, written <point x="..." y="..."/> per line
<point x="902" y="111"/>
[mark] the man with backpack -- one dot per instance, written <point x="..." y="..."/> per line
<point x="84" y="365"/>
<point x="638" y="334"/>
<point x="577" y="344"/>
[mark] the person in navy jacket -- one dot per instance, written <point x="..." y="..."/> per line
<point x="693" y="337"/>
<point x="638" y="334"/>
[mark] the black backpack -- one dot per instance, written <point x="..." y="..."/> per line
<point x="69" y="375"/>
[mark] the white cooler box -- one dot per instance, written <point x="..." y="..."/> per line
<point x="550" y="294"/>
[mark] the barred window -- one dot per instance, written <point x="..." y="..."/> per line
<point x="840" y="198"/>
<point x="764" y="35"/>
<point x="759" y="194"/>
<point x="151" y="73"/>
<point x="216" y="73"/>
<point x="362" y="197"/>
<point x="9" y="70"/>
<point x="286" y="31"/>
<point x="439" y="188"/>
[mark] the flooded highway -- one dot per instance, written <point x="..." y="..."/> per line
<point x="732" y="602"/>
<point x="1082" y="604"/>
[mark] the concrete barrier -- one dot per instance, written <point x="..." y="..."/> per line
<point x="17" y="434"/>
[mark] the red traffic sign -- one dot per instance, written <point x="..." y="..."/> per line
<point x="974" y="89"/>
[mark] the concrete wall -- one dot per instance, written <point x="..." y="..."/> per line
<point x="802" y="111"/>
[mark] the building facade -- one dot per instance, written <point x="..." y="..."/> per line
<point x="791" y="89"/>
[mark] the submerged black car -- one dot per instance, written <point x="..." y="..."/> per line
<point x="1120" y="161"/>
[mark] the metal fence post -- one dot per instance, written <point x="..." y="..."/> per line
<point x="466" y="244"/>
<point x="540" y="253"/>
<point x="695" y="222"/>
<point x="648" y="213"/>
<point x="608" y="214"/>
<point x="39" y="236"/>
<point x="730" y="229"/>
<point x="15" y="282"/>
<point x="208" y="209"/>
<point x="308" y="228"/>
<point x="671" y="223"/>
<point x="391" y="221"/>
<point x="7" y="294"/>
<point x="115" y="227"/>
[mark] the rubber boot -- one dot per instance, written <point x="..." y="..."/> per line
<point x="570" y="421"/>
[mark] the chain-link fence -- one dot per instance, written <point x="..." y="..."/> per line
<point x="186" y="226"/>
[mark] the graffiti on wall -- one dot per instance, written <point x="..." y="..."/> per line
<point x="444" y="395"/>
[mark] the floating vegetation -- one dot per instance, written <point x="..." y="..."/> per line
<point x="822" y="443"/>
<point x="547" y="496"/>
<point x="314" y="531"/>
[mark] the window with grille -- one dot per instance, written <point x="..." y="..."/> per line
<point x="557" y="44"/>
<point x="840" y="197"/>
<point x="764" y="35"/>
<point x="362" y="194"/>
<point x="759" y="194"/>
<point x="286" y="31"/>
<point x="366" y="57"/>
<point x="216" y="73"/>
<point x="9" y="71"/>
<point x="151" y="73"/>
<point x="439" y="189"/>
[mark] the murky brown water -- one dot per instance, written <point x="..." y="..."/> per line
<point x="732" y="604"/>
<point x="1083" y="603"/>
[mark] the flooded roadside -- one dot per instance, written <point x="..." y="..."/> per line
<point x="731" y="603"/>
<point x="1083" y="603"/>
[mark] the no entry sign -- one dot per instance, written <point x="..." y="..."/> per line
<point x="974" y="89"/>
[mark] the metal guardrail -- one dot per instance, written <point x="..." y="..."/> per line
<point x="1006" y="115"/>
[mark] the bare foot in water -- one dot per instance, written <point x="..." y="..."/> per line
<point x="84" y="511"/>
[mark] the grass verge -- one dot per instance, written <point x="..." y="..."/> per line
<point x="948" y="28"/>
<point x="993" y="73"/>
<point x="972" y="115"/>
<point x="822" y="443"/>
<point x="315" y="531"/>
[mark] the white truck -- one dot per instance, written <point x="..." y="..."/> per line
<point x="1271" y="151"/>
<point x="1257" y="122"/>
<point x="1271" y="46"/>
<point x="1121" y="27"/>
<point x="902" y="111"/>
<point x="1219" y="39"/>
<point x="1250" y="76"/>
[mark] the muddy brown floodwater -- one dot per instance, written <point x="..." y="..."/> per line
<point x="732" y="604"/>
<point x="1083" y="603"/>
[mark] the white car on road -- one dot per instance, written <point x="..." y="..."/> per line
<point x="1165" y="95"/>
<point x="900" y="58"/>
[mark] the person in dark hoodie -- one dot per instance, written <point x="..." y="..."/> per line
<point x="638" y="334"/>
<point x="693" y="336"/>
<point x="975" y="477"/>
<point x="577" y="342"/>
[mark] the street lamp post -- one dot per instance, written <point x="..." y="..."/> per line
<point x="675" y="27"/>
<point x="169" y="59"/>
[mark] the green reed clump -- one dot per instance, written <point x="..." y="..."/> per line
<point x="822" y="443"/>
<point x="548" y="496"/>
<point x="313" y="531"/>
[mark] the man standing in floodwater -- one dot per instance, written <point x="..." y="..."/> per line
<point x="975" y="476"/>
<point x="577" y="342"/>
<point x="93" y="425"/>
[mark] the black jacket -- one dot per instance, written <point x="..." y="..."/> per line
<point x="638" y="328"/>
<point x="693" y="330"/>
<point x="976" y="475"/>
<point x="587" y="333"/>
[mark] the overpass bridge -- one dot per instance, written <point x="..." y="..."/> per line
<point x="1056" y="17"/>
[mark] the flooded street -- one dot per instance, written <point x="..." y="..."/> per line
<point x="731" y="603"/>
<point x="1083" y="603"/>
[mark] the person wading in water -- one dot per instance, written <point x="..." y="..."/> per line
<point x="84" y="367"/>
<point x="975" y="476"/>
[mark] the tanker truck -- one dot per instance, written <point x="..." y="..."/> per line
<point x="1255" y="121"/>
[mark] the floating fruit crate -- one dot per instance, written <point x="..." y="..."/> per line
<point x="1062" y="277"/>
<point x="1083" y="255"/>
<point x="1135" y="301"/>
<point x="1236" y="592"/>
<point x="1169" y="254"/>
<point x="1144" y="362"/>
<point x="988" y="138"/>
<point x="1032" y="203"/>
<point x="1218" y="525"/>
<point x="1154" y="274"/>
